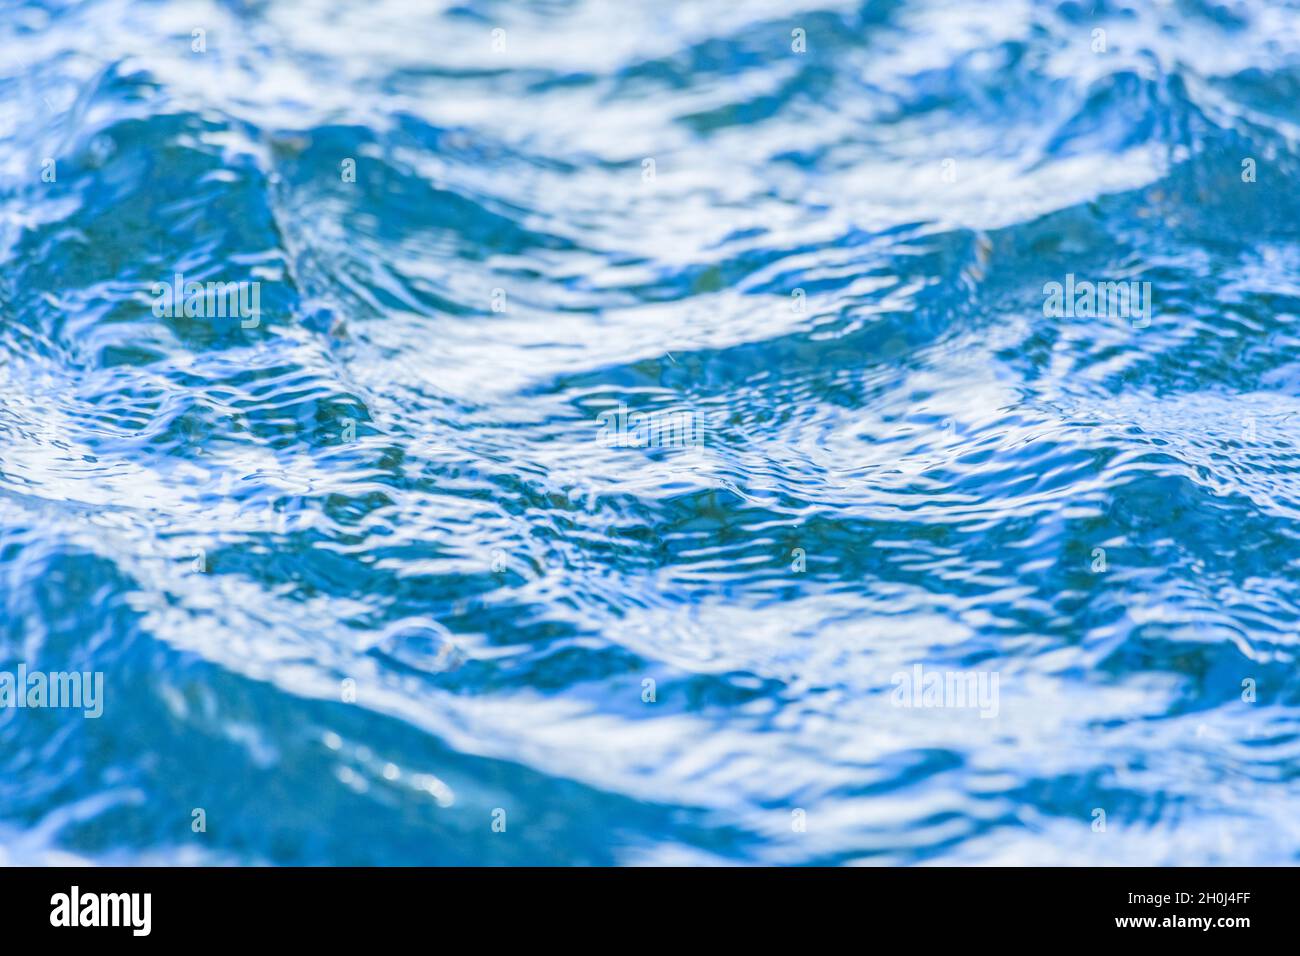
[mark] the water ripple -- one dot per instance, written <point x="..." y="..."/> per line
<point x="367" y="573"/>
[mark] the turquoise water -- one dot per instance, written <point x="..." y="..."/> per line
<point x="643" y="403"/>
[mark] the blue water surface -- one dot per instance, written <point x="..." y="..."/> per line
<point x="368" y="580"/>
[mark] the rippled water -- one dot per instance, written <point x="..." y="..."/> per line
<point x="368" y="578"/>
